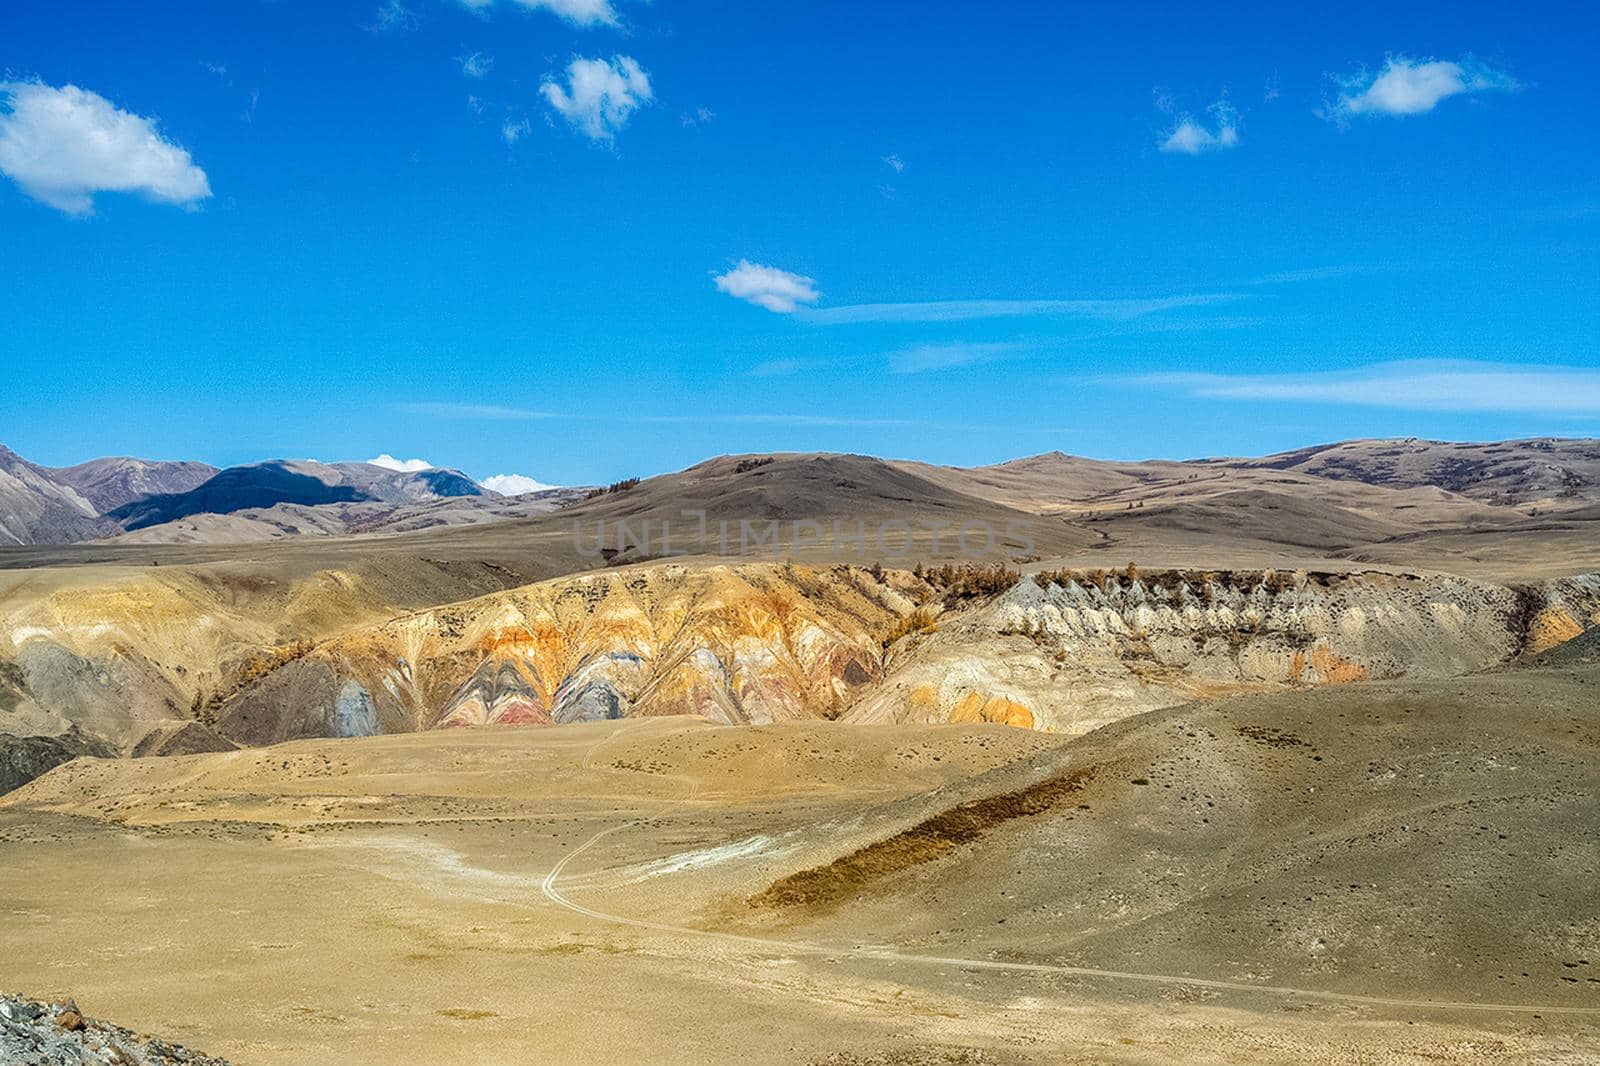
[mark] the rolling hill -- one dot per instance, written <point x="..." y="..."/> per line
<point x="112" y="482"/>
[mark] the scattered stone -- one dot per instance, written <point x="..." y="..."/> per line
<point x="57" y="1034"/>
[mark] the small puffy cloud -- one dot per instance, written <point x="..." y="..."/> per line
<point x="1193" y="137"/>
<point x="599" y="95"/>
<point x="894" y="163"/>
<point x="577" y="12"/>
<point x="477" y="65"/>
<point x="767" y="286"/>
<point x="514" y="484"/>
<point x="1413" y="87"/>
<point x="404" y="466"/>
<point x="62" y="146"/>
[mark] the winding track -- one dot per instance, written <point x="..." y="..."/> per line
<point x="795" y="947"/>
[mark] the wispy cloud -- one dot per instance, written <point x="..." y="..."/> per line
<point x="62" y="146"/>
<point x="967" y="310"/>
<point x="894" y="163"/>
<point x="480" y="412"/>
<point x="1422" y="385"/>
<point x="920" y="358"/>
<point x="578" y="12"/>
<point x="1193" y="137"/>
<point x="477" y="65"/>
<point x="1294" y="277"/>
<point x="779" y="368"/>
<point x="1413" y="87"/>
<point x="513" y="130"/>
<point x="767" y="286"/>
<point x="395" y="17"/>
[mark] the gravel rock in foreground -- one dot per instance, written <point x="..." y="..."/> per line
<point x="57" y="1034"/>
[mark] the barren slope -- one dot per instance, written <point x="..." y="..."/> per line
<point x="1548" y="472"/>
<point x="1072" y="651"/>
<point x="417" y="887"/>
<point x="111" y="482"/>
<point x="1416" y="840"/>
<point x="37" y="509"/>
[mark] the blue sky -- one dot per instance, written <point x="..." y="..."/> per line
<point x="581" y="239"/>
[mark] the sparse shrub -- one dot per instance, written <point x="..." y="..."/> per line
<point x="615" y="487"/>
<point x="1033" y="630"/>
<point x="920" y="620"/>
<point x="261" y="665"/>
<point x="968" y="581"/>
<point x="1278" y="581"/>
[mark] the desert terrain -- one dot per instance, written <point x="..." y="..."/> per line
<point x="1393" y="873"/>
<point x="1244" y="760"/>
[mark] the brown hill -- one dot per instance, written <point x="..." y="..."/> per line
<point x="37" y="509"/>
<point x="111" y="482"/>
<point x="1551" y="472"/>
<point x="1423" y="841"/>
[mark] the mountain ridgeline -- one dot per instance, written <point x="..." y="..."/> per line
<point x="263" y="485"/>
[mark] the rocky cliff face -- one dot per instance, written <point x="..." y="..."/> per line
<point x="757" y="643"/>
<point x="1070" y="652"/>
<point x="764" y="643"/>
<point x="121" y="651"/>
<point x="750" y="644"/>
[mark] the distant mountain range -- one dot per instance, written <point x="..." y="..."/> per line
<point x="1325" y="496"/>
<point x="261" y="485"/>
<point x="109" y="483"/>
<point x="114" y="496"/>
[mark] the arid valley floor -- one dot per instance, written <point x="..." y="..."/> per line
<point x="1291" y="759"/>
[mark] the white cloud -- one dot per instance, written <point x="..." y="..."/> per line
<point x="577" y="12"/>
<point x="700" y="116"/>
<point x="1412" y="87"/>
<point x="965" y="310"/>
<point x="514" y="485"/>
<point x="894" y="163"/>
<point x="513" y="131"/>
<point x="62" y="146"/>
<point x="395" y="17"/>
<point x="405" y="466"/>
<point x="1420" y="385"/>
<point x="599" y="95"/>
<point x="477" y="65"/>
<point x="767" y="286"/>
<point x="1192" y="137"/>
